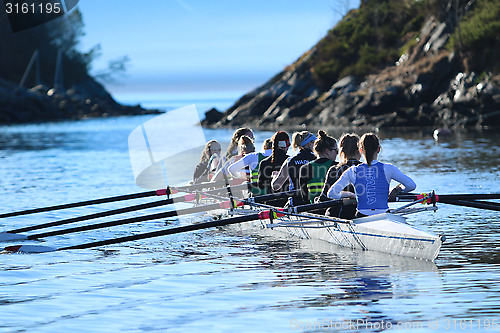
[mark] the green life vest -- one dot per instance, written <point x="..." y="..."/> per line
<point x="318" y="173"/>
<point x="254" y="177"/>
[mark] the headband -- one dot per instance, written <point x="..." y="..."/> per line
<point x="310" y="137"/>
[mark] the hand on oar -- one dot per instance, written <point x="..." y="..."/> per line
<point x="218" y="223"/>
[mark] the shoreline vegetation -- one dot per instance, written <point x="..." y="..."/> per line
<point x="387" y="64"/>
<point x="44" y="77"/>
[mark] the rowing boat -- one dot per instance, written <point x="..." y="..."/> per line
<point x="388" y="232"/>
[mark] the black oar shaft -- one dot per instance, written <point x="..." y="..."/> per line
<point x="94" y="216"/>
<point x="198" y="209"/>
<point x="479" y="196"/>
<point x="127" y="221"/>
<point x="199" y="226"/>
<point x="483" y="196"/>
<point x="208" y="185"/>
<point x="474" y="204"/>
<point x="111" y="212"/>
<point x="81" y="203"/>
<point x="165" y="232"/>
<point x="188" y="188"/>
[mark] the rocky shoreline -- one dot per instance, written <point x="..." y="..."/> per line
<point x="40" y="104"/>
<point x="427" y="87"/>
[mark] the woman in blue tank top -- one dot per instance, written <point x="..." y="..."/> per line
<point x="371" y="180"/>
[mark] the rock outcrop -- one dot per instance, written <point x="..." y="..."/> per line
<point x="426" y="87"/>
<point x="39" y="104"/>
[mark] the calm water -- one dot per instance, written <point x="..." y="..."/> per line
<point x="224" y="281"/>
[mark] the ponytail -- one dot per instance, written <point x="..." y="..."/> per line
<point x="369" y="143"/>
<point x="348" y="144"/>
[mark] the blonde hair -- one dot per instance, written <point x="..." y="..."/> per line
<point x="206" y="153"/>
<point x="245" y="145"/>
<point x="298" y="138"/>
<point x="268" y="144"/>
<point x="235" y="139"/>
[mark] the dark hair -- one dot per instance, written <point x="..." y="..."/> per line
<point x="348" y="144"/>
<point x="277" y="137"/>
<point x="324" y="142"/>
<point x="369" y="142"/>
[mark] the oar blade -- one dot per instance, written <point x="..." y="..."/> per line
<point x="29" y="249"/>
<point x="7" y="237"/>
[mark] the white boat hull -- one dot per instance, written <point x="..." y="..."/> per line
<point x="386" y="233"/>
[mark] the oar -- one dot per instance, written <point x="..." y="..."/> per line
<point x="467" y="200"/>
<point x="161" y="192"/>
<point x="441" y="197"/>
<point x="217" y="223"/>
<point x="11" y="234"/>
<point x="209" y="185"/>
<point x="226" y="204"/>
<point x="474" y="204"/>
<point x="6" y="235"/>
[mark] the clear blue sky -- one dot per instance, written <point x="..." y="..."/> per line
<point x="200" y="45"/>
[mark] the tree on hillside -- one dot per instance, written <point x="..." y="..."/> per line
<point x="62" y="34"/>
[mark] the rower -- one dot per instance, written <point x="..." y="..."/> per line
<point x="303" y="142"/>
<point x="312" y="175"/>
<point x="231" y="155"/>
<point x="371" y="180"/>
<point x="250" y="162"/>
<point x="209" y="160"/>
<point x="271" y="165"/>
<point x="349" y="155"/>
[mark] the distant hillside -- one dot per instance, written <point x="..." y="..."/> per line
<point x="33" y="88"/>
<point x="388" y="63"/>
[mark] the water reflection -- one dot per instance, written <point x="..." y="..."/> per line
<point x="461" y="152"/>
<point x="344" y="276"/>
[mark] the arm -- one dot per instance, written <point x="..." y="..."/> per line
<point x="335" y="191"/>
<point x="279" y="180"/>
<point x="304" y="173"/>
<point x="406" y="183"/>
<point x="200" y="170"/>
<point x="331" y="177"/>
<point x="222" y="172"/>
<point x="237" y="166"/>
